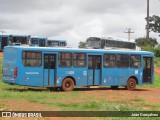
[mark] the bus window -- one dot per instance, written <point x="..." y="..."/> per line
<point x="32" y="59"/>
<point x="94" y="62"/>
<point x="122" y="61"/>
<point x="97" y="62"/>
<point x="34" y="41"/>
<point x="109" y="60"/>
<point x="42" y="43"/>
<point x="49" y="61"/>
<point x="79" y="60"/>
<point x="65" y="59"/>
<point x="90" y="62"/>
<point x="135" y="61"/>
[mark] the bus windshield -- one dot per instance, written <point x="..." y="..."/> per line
<point x="52" y="43"/>
<point x="34" y="41"/>
<point x="22" y="40"/>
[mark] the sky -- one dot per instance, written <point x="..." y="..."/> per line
<point x="76" y="20"/>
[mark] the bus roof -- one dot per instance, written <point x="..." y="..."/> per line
<point x="58" y="40"/>
<point x="41" y="37"/>
<point x="111" y="39"/>
<point x="51" y="49"/>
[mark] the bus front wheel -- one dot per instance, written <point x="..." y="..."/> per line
<point x="68" y="84"/>
<point x="131" y="84"/>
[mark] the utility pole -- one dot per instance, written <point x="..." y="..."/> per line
<point x="129" y="33"/>
<point x="2" y="31"/>
<point x="147" y="35"/>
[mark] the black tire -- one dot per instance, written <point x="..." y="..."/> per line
<point x="68" y="84"/>
<point x="131" y="84"/>
<point x="114" y="87"/>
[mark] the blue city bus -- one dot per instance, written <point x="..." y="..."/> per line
<point x="13" y="40"/>
<point x="38" y="41"/>
<point x="65" y="68"/>
<point x="56" y="43"/>
<point x="18" y="40"/>
<point x="3" y="41"/>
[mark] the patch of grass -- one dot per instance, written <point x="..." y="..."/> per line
<point x="155" y="85"/>
<point x="97" y="106"/>
<point x="157" y="62"/>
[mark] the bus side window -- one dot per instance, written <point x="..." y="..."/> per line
<point x="79" y="60"/>
<point x="64" y="59"/>
<point x="122" y="61"/>
<point x="135" y="61"/>
<point x="32" y="59"/>
<point x="109" y="60"/>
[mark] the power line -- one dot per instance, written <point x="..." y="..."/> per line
<point x="147" y="31"/>
<point x="129" y="33"/>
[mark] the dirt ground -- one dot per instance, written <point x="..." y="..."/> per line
<point x="1" y="54"/>
<point x="157" y="71"/>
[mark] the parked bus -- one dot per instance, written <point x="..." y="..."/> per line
<point x="56" y="43"/>
<point x="66" y="68"/>
<point x="18" y="40"/>
<point x="3" y="41"/>
<point x="13" y="40"/>
<point x="38" y="41"/>
<point x="108" y="43"/>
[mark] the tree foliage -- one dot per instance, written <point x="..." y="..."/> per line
<point x="142" y="41"/>
<point x="82" y="44"/>
<point x="154" y="23"/>
<point x="157" y="51"/>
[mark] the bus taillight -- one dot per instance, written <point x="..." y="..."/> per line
<point x="15" y="72"/>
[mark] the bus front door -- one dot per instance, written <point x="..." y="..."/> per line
<point x="94" y="70"/>
<point x="147" y="69"/>
<point x="49" y="69"/>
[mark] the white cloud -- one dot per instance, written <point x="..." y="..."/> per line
<point x="75" y="20"/>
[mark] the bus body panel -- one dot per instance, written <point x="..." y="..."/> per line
<point x="31" y="76"/>
<point x="10" y="64"/>
<point x="78" y="74"/>
<point x="85" y="76"/>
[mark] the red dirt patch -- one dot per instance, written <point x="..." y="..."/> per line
<point x="157" y="71"/>
<point x="150" y="95"/>
<point x="1" y="54"/>
<point x="23" y="105"/>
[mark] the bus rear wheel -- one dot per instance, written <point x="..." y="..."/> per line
<point x="131" y="84"/>
<point x="68" y="84"/>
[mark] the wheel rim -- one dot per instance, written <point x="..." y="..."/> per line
<point x="68" y="84"/>
<point x="131" y="85"/>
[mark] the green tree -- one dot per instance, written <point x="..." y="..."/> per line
<point x="142" y="42"/>
<point x="157" y="51"/>
<point x="154" y="23"/>
<point x="82" y="44"/>
<point x="147" y="48"/>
